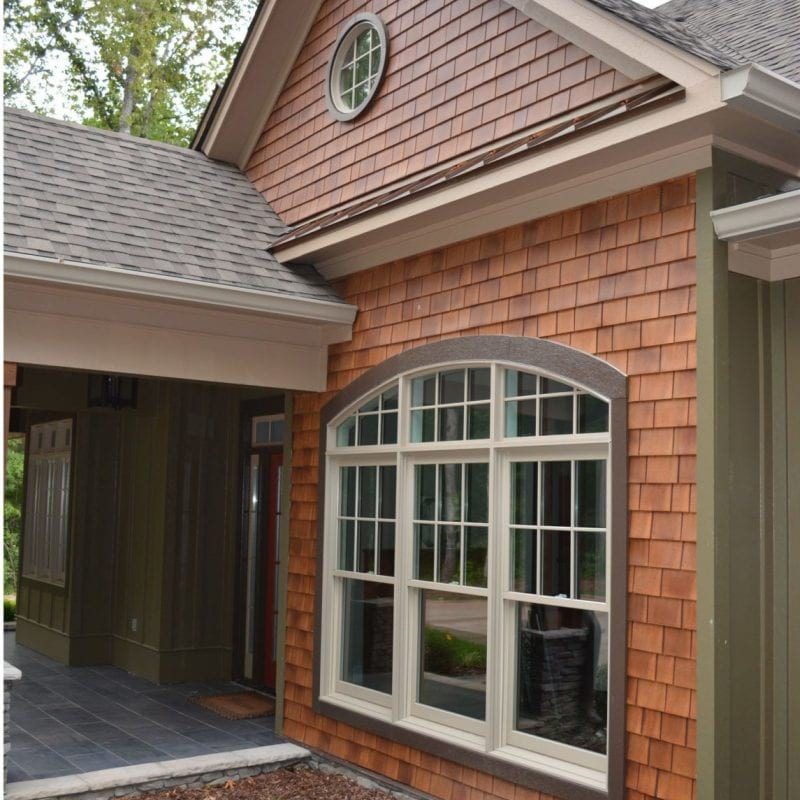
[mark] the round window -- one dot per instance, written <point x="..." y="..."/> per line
<point x="357" y="66"/>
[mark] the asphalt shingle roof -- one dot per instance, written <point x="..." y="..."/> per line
<point x="764" y="31"/>
<point x="83" y="195"/>
<point x="727" y="33"/>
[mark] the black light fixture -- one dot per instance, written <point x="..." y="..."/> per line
<point x="112" y="391"/>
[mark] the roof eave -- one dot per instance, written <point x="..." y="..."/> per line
<point x="125" y="281"/>
<point x="764" y="217"/>
<point x="762" y="93"/>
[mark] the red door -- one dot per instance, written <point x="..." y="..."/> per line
<point x="272" y="560"/>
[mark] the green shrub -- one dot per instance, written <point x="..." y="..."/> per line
<point x="9" y="609"/>
<point x="450" y="655"/>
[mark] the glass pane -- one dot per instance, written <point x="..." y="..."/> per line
<point x="592" y="414"/>
<point x="521" y="418"/>
<point x="346" y="79"/>
<point x="478" y="422"/>
<point x="276" y="431"/>
<point x="480" y="383"/>
<point x="363" y="42"/>
<point x="449" y="554"/>
<point x="451" y="387"/>
<point x="368" y="429"/>
<point x="360" y="94"/>
<point x="370" y="405"/>
<point x="347" y="98"/>
<point x="425" y="491"/>
<point x="386" y="552"/>
<point x="389" y="428"/>
<point x="261" y="433"/>
<point x="520" y="384"/>
<point x="422" y="425"/>
<point x="366" y="547"/>
<point x="562" y="675"/>
<point x="524" y="561"/>
<point x="367" y="634"/>
<point x="423" y="391"/>
<point x="451" y="424"/>
<point x="449" y="492"/>
<point x="367" y="491"/>
<point x="477" y="506"/>
<point x="452" y="670"/>
<point x="556" y="415"/>
<point x="388" y="478"/>
<point x="556" y="493"/>
<point x="476" y="543"/>
<point x="424" y="538"/>
<point x="549" y="386"/>
<point x="346" y="434"/>
<point x="590" y="566"/>
<point x="523" y="492"/>
<point x="591" y="494"/>
<point x="389" y="399"/>
<point x="362" y="71"/>
<point x="347" y="544"/>
<point x="347" y="494"/>
<point x="555" y="563"/>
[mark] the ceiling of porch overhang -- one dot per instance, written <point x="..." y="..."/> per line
<point x="85" y="196"/>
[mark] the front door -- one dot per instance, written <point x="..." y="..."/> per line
<point x="262" y="475"/>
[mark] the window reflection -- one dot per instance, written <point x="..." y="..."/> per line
<point x="453" y="659"/>
<point x="368" y="634"/>
<point x="562" y="675"/>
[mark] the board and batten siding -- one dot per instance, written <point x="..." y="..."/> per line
<point x="615" y="279"/>
<point x="460" y="76"/>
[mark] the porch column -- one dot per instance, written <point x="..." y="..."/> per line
<point x="9" y="382"/>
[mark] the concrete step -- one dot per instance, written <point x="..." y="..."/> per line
<point x="212" y="769"/>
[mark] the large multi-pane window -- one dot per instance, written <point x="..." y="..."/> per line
<point x="466" y="563"/>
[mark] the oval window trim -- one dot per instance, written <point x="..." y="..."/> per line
<point x="346" y="37"/>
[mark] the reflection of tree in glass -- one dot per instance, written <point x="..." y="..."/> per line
<point x="446" y="654"/>
<point x="451" y="510"/>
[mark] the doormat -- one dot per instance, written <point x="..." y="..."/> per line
<point x="238" y="705"/>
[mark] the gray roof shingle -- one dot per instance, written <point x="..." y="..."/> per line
<point x="727" y="33"/>
<point x="84" y="195"/>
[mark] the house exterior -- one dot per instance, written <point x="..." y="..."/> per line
<point x="493" y="307"/>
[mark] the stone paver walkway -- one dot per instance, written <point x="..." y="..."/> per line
<point x="67" y="720"/>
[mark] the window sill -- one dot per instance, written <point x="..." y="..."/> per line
<point x="514" y="764"/>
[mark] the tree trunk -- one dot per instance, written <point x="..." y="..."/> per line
<point x="128" y="95"/>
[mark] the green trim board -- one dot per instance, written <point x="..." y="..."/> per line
<point x="741" y="468"/>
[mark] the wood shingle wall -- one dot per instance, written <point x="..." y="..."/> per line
<point x="460" y="75"/>
<point x="615" y="279"/>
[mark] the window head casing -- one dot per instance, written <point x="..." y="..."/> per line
<point x="356" y="67"/>
<point x="472" y="546"/>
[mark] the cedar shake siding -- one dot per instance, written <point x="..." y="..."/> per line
<point x="460" y="75"/>
<point x="615" y="279"/>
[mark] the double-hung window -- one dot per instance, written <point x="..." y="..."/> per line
<point x="467" y="564"/>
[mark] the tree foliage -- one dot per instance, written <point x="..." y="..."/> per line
<point x="145" y="67"/>
<point x="12" y="513"/>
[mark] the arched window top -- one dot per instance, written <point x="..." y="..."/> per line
<point x="481" y="399"/>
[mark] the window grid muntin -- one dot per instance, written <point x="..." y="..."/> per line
<point x="497" y="734"/>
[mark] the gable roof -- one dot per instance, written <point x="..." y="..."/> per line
<point x="727" y="33"/>
<point x="86" y="196"/>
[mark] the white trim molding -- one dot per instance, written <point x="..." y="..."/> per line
<point x="763" y="236"/>
<point x="114" y="279"/>
<point x="69" y="317"/>
<point x="763" y="93"/>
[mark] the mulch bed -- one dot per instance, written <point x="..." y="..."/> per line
<point x="296" y="783"/>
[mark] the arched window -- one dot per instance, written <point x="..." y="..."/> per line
<point x="473" y="531"/>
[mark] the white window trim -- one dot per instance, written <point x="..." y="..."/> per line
<point x="495" y="736"/>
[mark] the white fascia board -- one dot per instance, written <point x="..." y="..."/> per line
<point x="764" y="217"/>
<point x="671" y="141"/>
<point x="276" y="40"/>
<point x="763" y="93"/>
<point x="633" y="51"/>
<point x="114" y="279"/>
